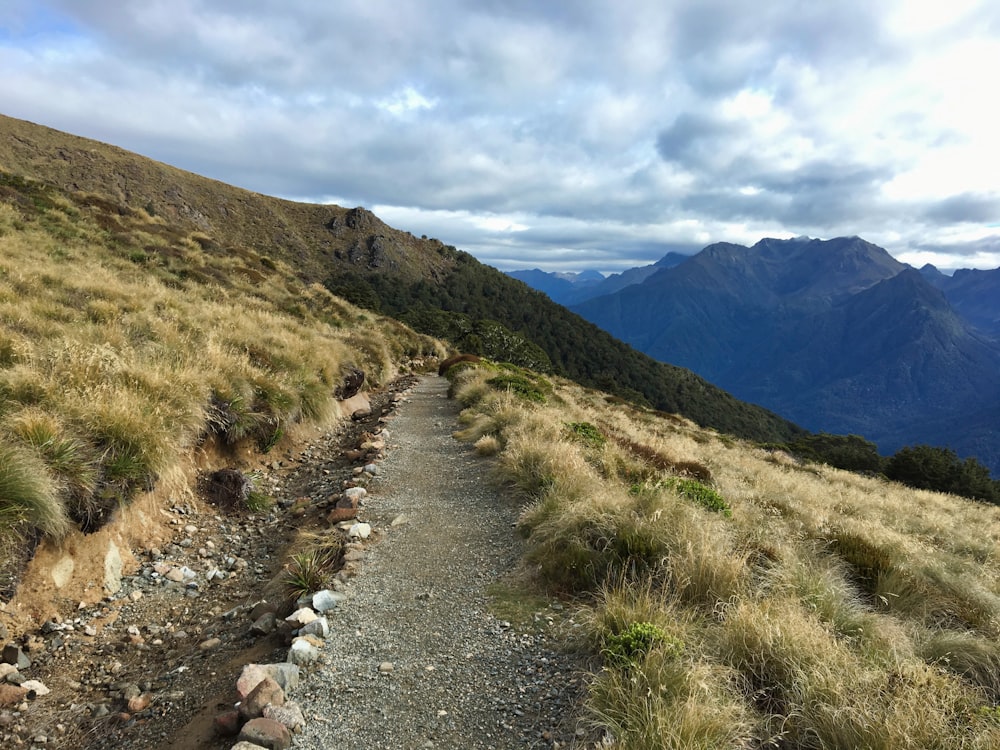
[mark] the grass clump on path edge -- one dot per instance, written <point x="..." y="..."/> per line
<point x="789" y="617"/>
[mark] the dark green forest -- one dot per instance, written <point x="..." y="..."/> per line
<point x="482" y="311"/>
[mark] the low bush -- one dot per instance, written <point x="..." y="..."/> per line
<point x="526" y="388"/>
<point x="631" y="645"/>
<point x="974" y="658"/>
<point x="487" y="445"/>
<point x="309" y="570"/>
<point x="587" y="433"/>
<point x="126" y="341"/>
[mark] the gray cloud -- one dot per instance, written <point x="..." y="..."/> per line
<point x="967" y="207"/>
<point x="608" y="130"/>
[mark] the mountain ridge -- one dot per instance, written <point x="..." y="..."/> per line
<point x="836" y="334"/>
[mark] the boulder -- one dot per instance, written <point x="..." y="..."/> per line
<point x="228" y="723"/>
<point x="320" y="627"/>
<point x="286" y="675"/>
<point x="14" y="654"/>
<point x="352" y="381"/>
<point x="325" y="600"/>
<point x="302" y="651"/>
<point x="302" y="616"/>
<point x="360" y="531"/>
<point x="267" y="693"/>
<point x="228" y="487"/>
<point x="289" y="714"/>
<point x="11" y="695"/>
<point x="267" y="733"/>
<point x="264" y="625"/>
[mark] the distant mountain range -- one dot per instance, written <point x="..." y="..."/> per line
<point x="835" y="335"/>
<point x="974" y="294"/>
<point x="573" y="288"/>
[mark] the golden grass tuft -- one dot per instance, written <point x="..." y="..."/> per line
<point x="487" y="445"/>
<point x="28" y="494"/>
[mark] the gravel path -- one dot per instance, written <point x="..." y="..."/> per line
<point x="414" y="658"/>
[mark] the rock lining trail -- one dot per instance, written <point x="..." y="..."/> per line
<point x="414" y="659"/>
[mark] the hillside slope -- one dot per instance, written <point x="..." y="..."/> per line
<point x="362" y="258"/>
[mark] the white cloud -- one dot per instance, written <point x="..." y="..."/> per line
<point x="404" y="102"/>
<point x="586" y="132"/>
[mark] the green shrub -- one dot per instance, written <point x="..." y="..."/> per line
<point x="849" y="452"/>
<point x="258" y="502"/>
<point x="631" y="645"/>
<point x="587" y="434"/>
<point x="307" y="571"/>
<point x="705" y="496"/>
<point x="520" y="385"/>
<point x="940" y="469"/>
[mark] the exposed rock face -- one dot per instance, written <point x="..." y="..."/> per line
<point x="228" y="487"/>
<point x="113" y="569"/>
<point x="363" y="220"/>
<point x="351" y="384"/>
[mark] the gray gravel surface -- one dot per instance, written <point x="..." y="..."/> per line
<point x="415" y="659"/>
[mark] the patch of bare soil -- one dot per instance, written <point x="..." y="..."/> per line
<point x="152" y="665"/>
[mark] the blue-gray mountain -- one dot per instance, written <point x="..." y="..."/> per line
<point x="835" y="335"/>
<point x="974" y="294"/>
<point x="573" y="288"/>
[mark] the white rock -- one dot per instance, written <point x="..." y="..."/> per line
<point x="302" y="652"/>
<point x="37" y="686"/>
<point x="358" y="492"/>
<point x="289" y="714"/>
<point x="302" y="616"/>
<point x="112" y="569"/>
<point x="360" y="531"/>
<point x="326" y="600"/>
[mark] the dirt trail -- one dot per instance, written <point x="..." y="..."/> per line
<point x="415" y="659"/>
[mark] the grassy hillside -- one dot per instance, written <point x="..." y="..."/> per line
<point x="356" y="254"/>
<point x="126" y="341"/>
<point x="738" y="598"/>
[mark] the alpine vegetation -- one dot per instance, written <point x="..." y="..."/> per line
<point x="126" y="342"/>
<point x="739" y="598"/>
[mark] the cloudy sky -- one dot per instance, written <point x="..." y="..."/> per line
<point x="561" y="134"/>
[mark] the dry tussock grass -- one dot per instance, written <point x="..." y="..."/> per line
<point x="124" y="343"/>
<point x="830" y="610"/>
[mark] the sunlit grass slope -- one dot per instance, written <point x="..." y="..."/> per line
<point x="741" y="599"/>
<point x="125" y="342"/>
